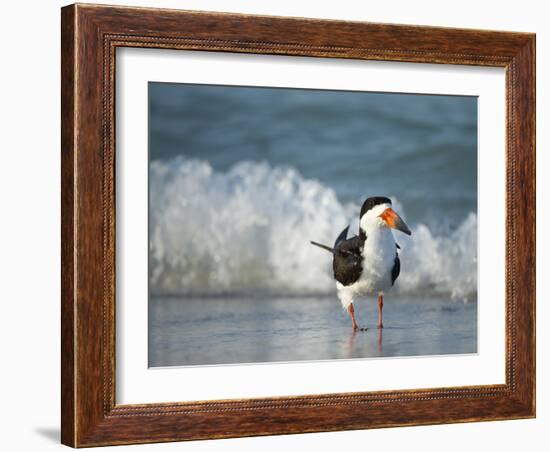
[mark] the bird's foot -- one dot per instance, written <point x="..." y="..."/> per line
<point x="355" y="328"/>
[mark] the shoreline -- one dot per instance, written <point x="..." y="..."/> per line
<point x="198" y="331"/>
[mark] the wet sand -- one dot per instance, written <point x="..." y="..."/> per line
<point x="186" y="331"/>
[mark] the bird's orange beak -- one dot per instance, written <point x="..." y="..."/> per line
<point x="394" y="221"/>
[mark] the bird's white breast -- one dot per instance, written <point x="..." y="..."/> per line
<point x="378" y="261"/>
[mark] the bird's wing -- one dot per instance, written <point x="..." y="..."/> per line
<point x="347" y="262"/>
<point x="343" y="235"/>
<point x="396" y="269"/>
<point x="339" y="239"/>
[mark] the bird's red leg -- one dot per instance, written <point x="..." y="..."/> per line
<point x="380" y="306"/>
<point x="351" y="311"/>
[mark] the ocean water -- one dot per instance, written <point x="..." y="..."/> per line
<point x="241" y="179"/>
<point x="229" y="330"/>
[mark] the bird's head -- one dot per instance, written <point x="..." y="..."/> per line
<point x="377" y="212"/>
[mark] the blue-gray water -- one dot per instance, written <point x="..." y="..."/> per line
<point x="242" y="178"/>
<point x="228" y="330"/>
<point x="422" y="149"/>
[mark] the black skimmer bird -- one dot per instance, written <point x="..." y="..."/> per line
<point x="369" y="262"/>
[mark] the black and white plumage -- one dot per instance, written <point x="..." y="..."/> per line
<point x="368" y="262"/>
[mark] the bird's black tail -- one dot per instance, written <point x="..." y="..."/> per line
<point x="328" y="248"/>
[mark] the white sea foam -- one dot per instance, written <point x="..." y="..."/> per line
<point x="248" y="229"/>
<point x="440" y="265"/>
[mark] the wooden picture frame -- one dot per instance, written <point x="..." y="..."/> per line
<point x="90" y="36"/>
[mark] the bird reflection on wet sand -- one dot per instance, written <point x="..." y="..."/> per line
<point x="201" y="331"/>
<point x="353" y="338"/>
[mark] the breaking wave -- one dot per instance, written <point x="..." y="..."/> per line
<point x="248" y="230"/>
